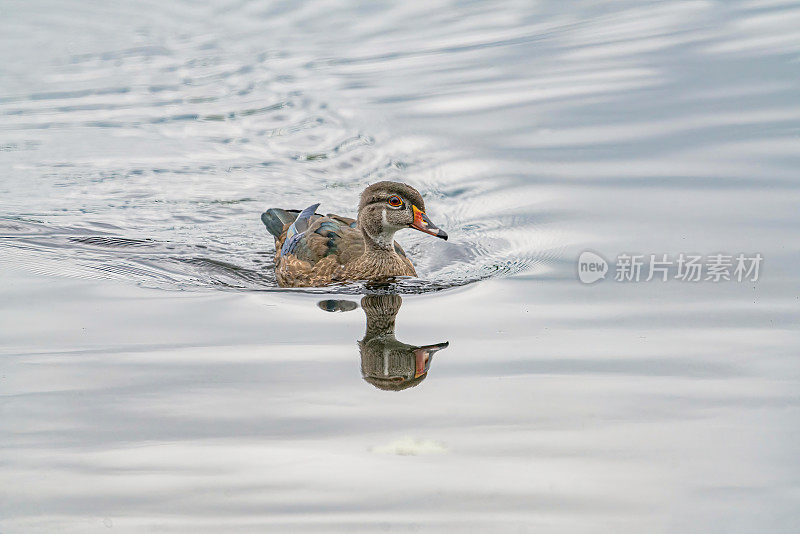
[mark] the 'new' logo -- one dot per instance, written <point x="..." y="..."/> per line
<point x="591" y="267"/>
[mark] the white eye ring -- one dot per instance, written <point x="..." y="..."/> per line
<point x="395" y="201"/>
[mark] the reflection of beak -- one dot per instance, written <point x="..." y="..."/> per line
<point x="424" y="224"/>
<point x="424" y="356"/>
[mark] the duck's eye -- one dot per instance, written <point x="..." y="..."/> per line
<point x="395" y="201"/>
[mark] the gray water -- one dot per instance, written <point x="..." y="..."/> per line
<point x="154" y="379"/>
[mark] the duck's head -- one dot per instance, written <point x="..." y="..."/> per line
<point x="387" y="207"/>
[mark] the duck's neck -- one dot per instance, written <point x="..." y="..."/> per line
<point x="381" y="311"/>
<point x="380" y="244"/>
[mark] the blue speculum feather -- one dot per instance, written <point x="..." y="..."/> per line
<point x="327" y="228"/>
<point x="295" y="232"/>
<point x="290" y="244"/>
<point x="331" y="230"/>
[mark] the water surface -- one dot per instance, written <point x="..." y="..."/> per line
<point x="154" y="379"/>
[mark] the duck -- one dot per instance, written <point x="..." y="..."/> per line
<point x="314" y="250"/>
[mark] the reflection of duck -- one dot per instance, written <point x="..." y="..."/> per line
<point x="387" y="363"/>
<point x="317" y="250"/>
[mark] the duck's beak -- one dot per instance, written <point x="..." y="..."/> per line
<point x="424" y="224"/>
<point x="423" y="356"/>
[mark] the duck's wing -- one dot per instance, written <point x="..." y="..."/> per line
<point x="311" y="237"/>
<point x="347" y="221"/>
<point x="283" y="224"/>
<point x="294" y="234"/>
<point x="331" y="235"/>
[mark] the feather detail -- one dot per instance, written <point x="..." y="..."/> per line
<point x="295" y="232"/>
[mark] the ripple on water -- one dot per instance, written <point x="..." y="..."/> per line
<point x="177" y="141"/>
<point x="161" y="180"/>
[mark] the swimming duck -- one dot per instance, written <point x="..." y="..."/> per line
<point x="317" y="250"/>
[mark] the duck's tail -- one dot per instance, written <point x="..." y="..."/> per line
<point x="275" y="219"/>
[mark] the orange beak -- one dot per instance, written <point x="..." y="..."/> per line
<point x="423" y="224"/>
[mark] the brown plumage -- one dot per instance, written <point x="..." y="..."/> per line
<point x="315" y="250"/>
